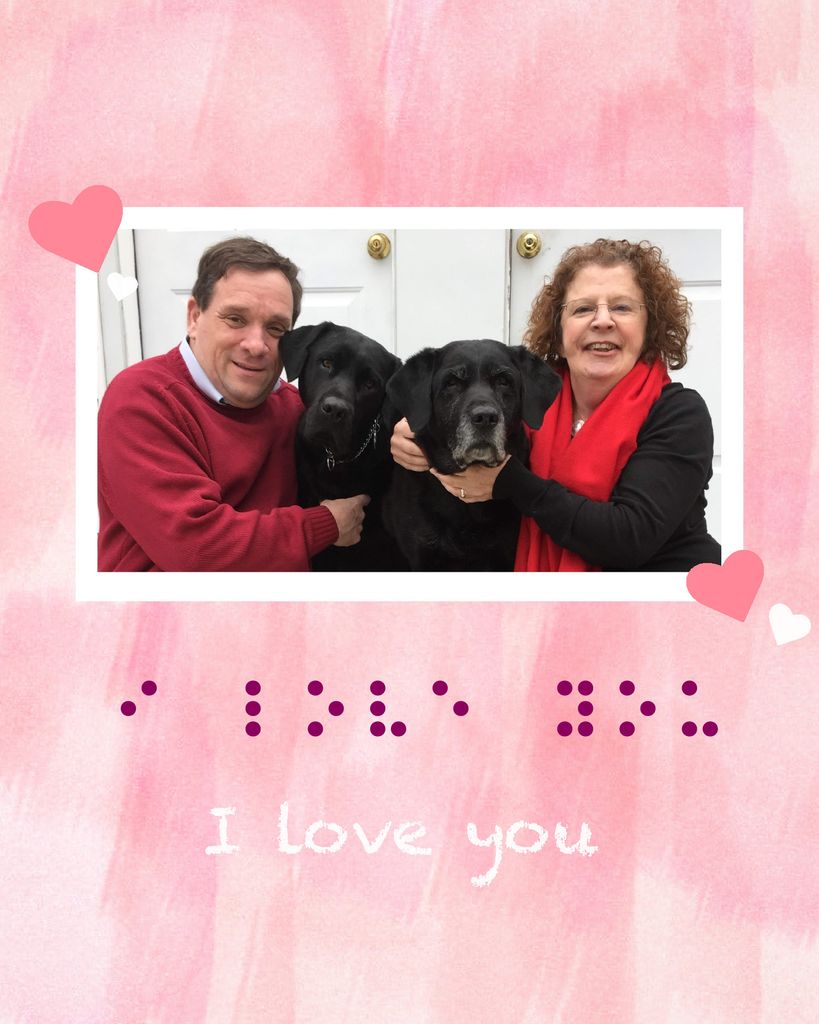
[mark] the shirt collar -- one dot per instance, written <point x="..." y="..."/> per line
<point x="201" y="379"/>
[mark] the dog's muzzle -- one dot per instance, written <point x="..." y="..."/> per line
<point x="335" y="410"/>
<point x="481" y="436"/>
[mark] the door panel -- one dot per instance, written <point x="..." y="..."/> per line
<point x="450" y="286"/>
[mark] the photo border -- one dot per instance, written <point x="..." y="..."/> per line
<point x="92" y="585"/>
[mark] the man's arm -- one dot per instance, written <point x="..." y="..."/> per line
<point x="157" y="481"/>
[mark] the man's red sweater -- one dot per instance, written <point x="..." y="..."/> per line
<point x="186" y="484"/>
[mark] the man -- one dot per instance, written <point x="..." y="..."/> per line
<point x="196" y="447"/>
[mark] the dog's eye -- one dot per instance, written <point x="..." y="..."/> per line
<point x="370" y="385"/>
<point x="327" y="364"/>
<point x="452" y="383"/>
<point x="503" y="380"/>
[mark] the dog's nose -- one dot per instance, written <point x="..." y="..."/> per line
<point x="484" y="416"/>
<point x="336" y="408"/>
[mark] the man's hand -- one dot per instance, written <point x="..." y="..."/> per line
<point x="349" y="516"/>
<point x="404" y="449"/>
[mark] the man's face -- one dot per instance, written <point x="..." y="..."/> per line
<point x="236" y="339"/>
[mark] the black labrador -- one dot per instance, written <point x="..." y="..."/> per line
<point x="465" y="403"/>
<point x="342" y="445"/>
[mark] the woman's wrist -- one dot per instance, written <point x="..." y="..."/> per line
<point x="505" y="480"/>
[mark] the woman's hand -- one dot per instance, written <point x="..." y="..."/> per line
<point x="473" y="484"/>
<point x="404" y="449"/>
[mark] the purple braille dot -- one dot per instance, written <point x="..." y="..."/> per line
<point x="314" y="688"/>
<point x="627" y="728"/>
<point x="377" y="687"/>
<point x="315" y="728"/>
<point x="564" y="728"/>
<point x="127" y="707"/>
<point x="584" y="688"/>
<point x="252" y="687"/>
<point x="439" y="688"/>
<point x="460" y="707"/>
<point x="647" y="707"/>
<point x="585" y="707"/>
<point x="627" y="687"/>
<point x="398" y="728"/>
<point x="336" y="708"/>
<point x="149" y="687"/>
<point x="689" y="687"/>
<point x="253" y="707"/>
<point x="689" y="728"/>
<point x="378" y="728"/>
<point x="253" y="728"/>
<point x="564" y="687"/>
<point x="377" y="707"/>
<point x="585" y="728"/>
<point x="710" y="728"/>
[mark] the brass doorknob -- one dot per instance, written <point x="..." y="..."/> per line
<point x="528" y="245"/>
<point x="378" y="246"/>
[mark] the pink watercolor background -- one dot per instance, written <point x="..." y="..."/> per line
<point x="701" y="903"/>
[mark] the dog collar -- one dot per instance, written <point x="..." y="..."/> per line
<point x="332" y="461"/>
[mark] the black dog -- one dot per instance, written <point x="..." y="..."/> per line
<point x="342" y="446"/>
<point x="465" y="403"/>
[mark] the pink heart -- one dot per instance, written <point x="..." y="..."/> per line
<point x="729" y="588"/>
<point x="81" y="231"/>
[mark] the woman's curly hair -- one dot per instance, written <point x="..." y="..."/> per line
<point x="669" y="312"/>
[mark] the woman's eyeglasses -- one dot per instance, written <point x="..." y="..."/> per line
<point x="621" y="309"/>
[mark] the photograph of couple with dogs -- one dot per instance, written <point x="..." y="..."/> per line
<point x="565" y="449"/>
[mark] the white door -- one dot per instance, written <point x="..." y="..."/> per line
<point x="434" y="286"/>
<point x="341" y="281"/>
<point x="451" y="285"/>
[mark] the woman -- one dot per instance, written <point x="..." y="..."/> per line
<point x="620" y="465"/>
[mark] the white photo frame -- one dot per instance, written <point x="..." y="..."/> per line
<point x="92" y="585"/>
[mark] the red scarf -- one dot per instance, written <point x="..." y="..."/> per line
<point x="590" y="463"/>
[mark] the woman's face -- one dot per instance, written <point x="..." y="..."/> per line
<point x="603" y="342"/>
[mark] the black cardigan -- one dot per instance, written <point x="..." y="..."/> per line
<point x="655" y="518"/>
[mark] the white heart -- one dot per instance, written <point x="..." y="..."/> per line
<point x="121" y="285"/>
<point x="786" y="626"/>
